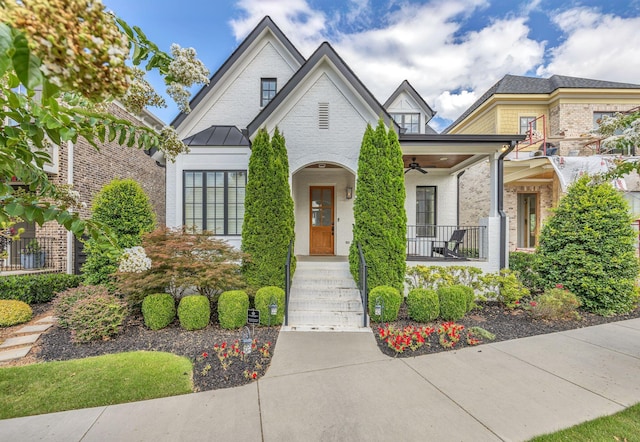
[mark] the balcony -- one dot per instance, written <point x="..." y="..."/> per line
<point x="26" y="255"/>
<point x="447" y="243"/>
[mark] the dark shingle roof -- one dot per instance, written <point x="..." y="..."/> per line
<point x="218" y="136"/>
<point x="406" y="87"/>
<point x="515" y="84"/>
<point x="265" y="23"/>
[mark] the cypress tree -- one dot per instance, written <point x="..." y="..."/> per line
<point x="379" y="213"/>
<point x="269" y="219"/>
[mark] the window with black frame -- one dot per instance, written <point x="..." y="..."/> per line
<point x="426" y="211"/>
<point x="214" y="200"/>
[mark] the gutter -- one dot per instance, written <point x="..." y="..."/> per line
<point x="500" y="201"/>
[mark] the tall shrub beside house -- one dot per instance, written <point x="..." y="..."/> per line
<point x="124" y="208"/>
<point x="588" y="247"/>
<point x="268" y="226"/>
<point x="379" y="214"/>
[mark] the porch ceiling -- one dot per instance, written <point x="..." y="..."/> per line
<point x="442" y="161"/>
<point x="535" y="171"/>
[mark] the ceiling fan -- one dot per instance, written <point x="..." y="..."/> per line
<point x="413" y="165"/>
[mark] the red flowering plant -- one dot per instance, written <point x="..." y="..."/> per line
<point x="410" y="337"/>
<point x="449" y="334"/>
<point x="229" y="353"/>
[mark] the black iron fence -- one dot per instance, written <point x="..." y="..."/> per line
<point x="427" y="242"/>
<point x="362" y="283"/>
<point x="26" y="254"/>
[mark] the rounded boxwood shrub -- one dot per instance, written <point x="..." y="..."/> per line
<point x="453" y="302"/>
<point x="391" y="299"/>
<point x="423" y="305"/>
<point x="263" y="299"/>
<point x="470" y="295"/>
<point x="158" y="310"/>
<point x="232" y="308"/>
<point x="14" y="312"/>
<point x="194" y="312"/>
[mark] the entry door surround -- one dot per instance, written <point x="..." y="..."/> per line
<point x="321" y="220"/>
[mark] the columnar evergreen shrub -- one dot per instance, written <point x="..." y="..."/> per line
<point x="232" y="309"/>
<point x="379" y="213"/>
<point x="35" y="289"/>
<point x="390" y="298"/>
<point x="264" y="298"/>
<point x="65" y="301"/>
<point x="96" y="317"/>
<point x="158" y="310"/>
<point x="269" y="221"/>
<point x="423" y="305"/>
<point x="14" y="312"/>
<point x="122" y="206"/>
<point x="588" y="247"/>
<point x="194" y="312"/>
<point x="453" y="302"/>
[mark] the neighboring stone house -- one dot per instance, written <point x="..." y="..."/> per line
<point x="87" y="170"/>
<point x="322" y="108"/>
<point x="557" y="116"/>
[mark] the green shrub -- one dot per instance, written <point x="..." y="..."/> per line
<point x="423" y="305"/>
<point x="505" y="287"/>
<point x="122" y="206"/>
<point x="232" y="308"/>
<point x="158" y="310"/>
<point x="380" y="219"/>
<point x="588" y="247"/>
<point x="98" y="316"/>
<point x="556" y="303"/>
<point x="471" y="297"/>
<point x="432" y="277"/>
<point x="526" y="265"/>
<point x="390" y="298"/>
<point x="263" y="299"/>
<point x="35" y="289"/>
<point x="14" y="312"/>
<point x="194" y="312"/>
<point x="65" y="301"/>
<point x="453" y="302"/>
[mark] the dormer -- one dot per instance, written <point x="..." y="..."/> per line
<point x="409" y="110"/>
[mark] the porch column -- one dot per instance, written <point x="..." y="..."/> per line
<point x="493" y="184"/>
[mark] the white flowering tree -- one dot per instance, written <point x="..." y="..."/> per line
<point x="61" y="62"/>
<point x="622" y="131"/>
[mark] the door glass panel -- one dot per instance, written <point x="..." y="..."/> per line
<point x="315" y="217"/>
<point x="315" y="198"/>
<point x="326" y="217"/>
<point x="326" y="198"/>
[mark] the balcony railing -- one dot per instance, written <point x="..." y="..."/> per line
<point x="434" y="242"/>
<point x="28" y="254"/>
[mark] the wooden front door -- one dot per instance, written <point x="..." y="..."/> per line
<point x="321" y="220"/>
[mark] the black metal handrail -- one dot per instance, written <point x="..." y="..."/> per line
<point x="287" y="284"/>
<point x="421" y="240"/>
<point x="362" y="283"/>
<point x="26" y="254"/>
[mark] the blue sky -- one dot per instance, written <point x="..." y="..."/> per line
<point x="451" y="51"/>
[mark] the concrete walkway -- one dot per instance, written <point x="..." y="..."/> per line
<point x="338" y="386"/>
<point x="19" y="344"/>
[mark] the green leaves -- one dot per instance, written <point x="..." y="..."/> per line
<point x="26" y="65"/>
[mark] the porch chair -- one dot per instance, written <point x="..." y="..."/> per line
<point x="449" y="249"/>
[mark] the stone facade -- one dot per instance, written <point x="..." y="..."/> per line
<point x="93" y="169"/>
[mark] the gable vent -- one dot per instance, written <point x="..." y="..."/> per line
<point x="323" y="115"/>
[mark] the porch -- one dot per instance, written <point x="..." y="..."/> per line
<point x="27" y="255"/>
<point x="447" y="243"/>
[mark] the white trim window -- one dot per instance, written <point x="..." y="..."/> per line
<point x="408" y="121"/>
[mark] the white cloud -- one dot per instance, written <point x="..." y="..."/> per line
<point x="599" y="46"/>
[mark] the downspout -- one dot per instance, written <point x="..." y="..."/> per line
<point x="70" y="183"/>
<point x="500" y="201"/>
<point x="458" y="197"/>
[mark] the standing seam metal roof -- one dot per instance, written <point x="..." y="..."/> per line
<point x="218" y="136"/>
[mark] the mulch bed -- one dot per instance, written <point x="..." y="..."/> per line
<point x="504" y="323"/>
<point x="56" y="345"/>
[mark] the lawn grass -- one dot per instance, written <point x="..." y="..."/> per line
<point x="622" y="426"/>
<point x="102" y="380"/>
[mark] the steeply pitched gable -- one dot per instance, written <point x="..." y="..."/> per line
<point x="407" y="88"/>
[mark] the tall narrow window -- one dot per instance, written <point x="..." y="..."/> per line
<point x="425" y="210"/>
<point x="214" y="200"/>
<point x="268" y="89"/>
<point x="410" y="122"/>
<point x="527" y="123"/>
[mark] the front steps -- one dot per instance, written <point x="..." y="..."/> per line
<point x="324" y="297"/>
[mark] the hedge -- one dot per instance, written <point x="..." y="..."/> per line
<point x="35" y="289"/>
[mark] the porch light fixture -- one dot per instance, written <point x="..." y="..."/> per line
<point x="246" y="341"/>
<point x="349" y="192"/>
<point x="322" y="166"/>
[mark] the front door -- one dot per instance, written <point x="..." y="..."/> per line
<point x="527" y="220"/>
<point x="321" y="220"/>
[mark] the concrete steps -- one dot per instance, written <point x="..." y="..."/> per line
<point x="22" y="340"/>
<point x="324" y="297"/>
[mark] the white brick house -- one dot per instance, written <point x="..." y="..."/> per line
<point x="322" y="109"/>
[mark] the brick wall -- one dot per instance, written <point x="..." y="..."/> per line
<point x="93" y="169"/>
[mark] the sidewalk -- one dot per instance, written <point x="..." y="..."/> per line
<point x="338" y="386"/>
